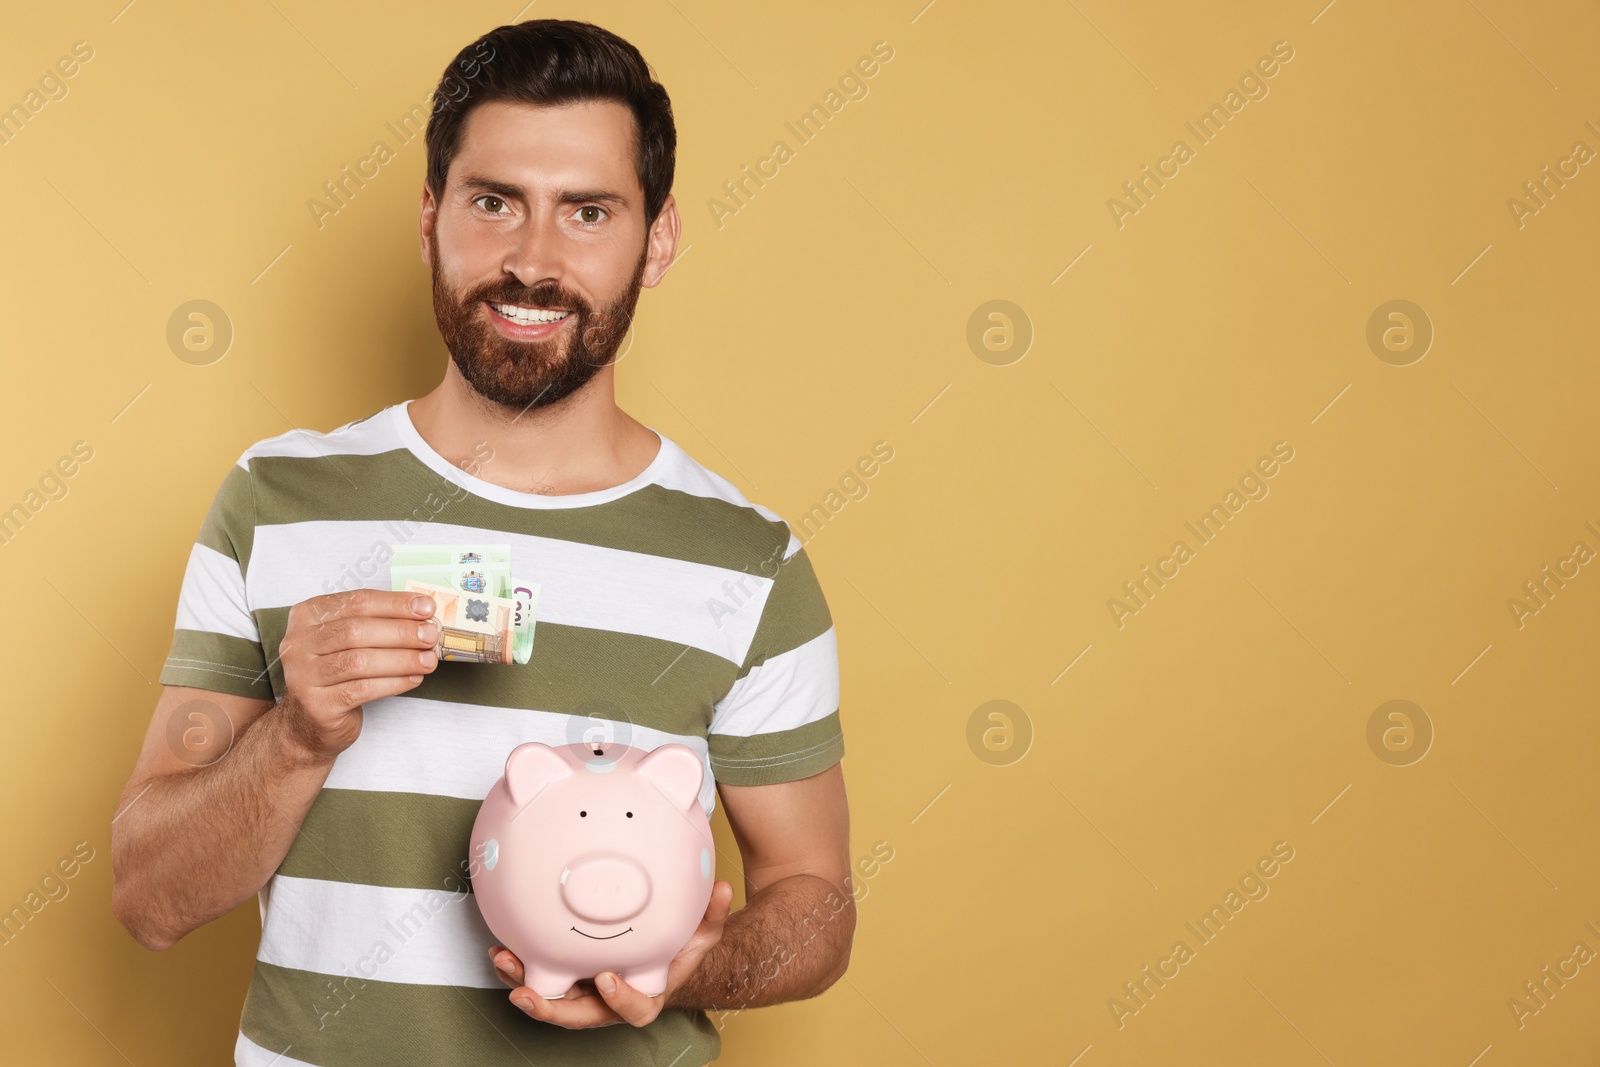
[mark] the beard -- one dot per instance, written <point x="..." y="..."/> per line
<point x="530" y="374"/>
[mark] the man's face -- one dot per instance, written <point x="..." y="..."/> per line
<point x="537" y="248"/>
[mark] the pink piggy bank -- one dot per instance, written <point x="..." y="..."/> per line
<point x="594" y="857"/>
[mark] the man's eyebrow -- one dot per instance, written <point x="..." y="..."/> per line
<point x="597" y="196"/>
<point x="489" y="185"/>
<point x="513" y="191"/>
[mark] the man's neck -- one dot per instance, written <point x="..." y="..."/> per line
<point x="584" y="444"/>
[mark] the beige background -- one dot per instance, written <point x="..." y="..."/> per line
<point x="827" y="314"/>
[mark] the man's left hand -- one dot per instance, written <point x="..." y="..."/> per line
<point x="588" y="1003"/>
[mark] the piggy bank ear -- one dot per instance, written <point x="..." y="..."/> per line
<point x="530" y="768"/>
<point x="676" y="771"/>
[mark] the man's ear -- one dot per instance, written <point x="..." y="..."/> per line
<point x="663" y="244"/>
<point x="427" y="218"/>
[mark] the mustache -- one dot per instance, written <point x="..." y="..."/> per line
<point x="545" y="295"/>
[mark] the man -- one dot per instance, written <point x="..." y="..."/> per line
<point x="308" y="747"/>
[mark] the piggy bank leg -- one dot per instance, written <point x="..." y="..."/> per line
<point x="652" y="982"/>
<point x="551" y="985"/>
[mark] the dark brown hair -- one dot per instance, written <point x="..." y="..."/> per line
<point x="551" y="62"/>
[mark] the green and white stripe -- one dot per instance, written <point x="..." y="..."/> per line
<point x="583" y="586"/>
<point x="322" y="1021"/>
<point x="671" y="610"/>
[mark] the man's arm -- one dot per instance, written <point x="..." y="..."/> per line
<point x="193" y="842"/>
<point x="792" y="938"/>
<point x="201" y="828"/>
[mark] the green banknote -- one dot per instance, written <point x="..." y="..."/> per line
<point x="472" y="568"/>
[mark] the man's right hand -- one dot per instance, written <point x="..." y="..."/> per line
<point x="344" y="649"/>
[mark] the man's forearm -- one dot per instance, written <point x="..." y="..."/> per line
<point x="191" y="846"/>
<point x="790" y="941"/>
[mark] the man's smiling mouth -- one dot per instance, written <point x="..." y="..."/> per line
<point x="607" y="938"/>
<point x="527" y="316"/>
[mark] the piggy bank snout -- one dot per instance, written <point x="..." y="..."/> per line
<point x="605" y="889"/>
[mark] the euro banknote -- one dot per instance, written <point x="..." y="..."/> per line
<point x="473" y="627"/>
<point x="477" y="581"/>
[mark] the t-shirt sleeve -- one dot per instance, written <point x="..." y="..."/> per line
<point x="780" y="720"/>
<point x="215" y="644"/>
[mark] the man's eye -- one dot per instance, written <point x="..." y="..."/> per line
<point x="582" y="212"/>
<point x="491" y="203"/>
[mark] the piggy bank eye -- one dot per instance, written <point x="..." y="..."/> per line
<point x="630" y="814"/>
<point x="583" y="814"/>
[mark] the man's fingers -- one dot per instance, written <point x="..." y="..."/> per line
<point x="354" y="664"/>
<point x="506" y="965"/>
<point x="367" y="631"/>
<point x="633" y="1006"/>
<point x="574" y="1013"/>
<point x="384" y="603"/>
<point x="718" y="906"/>
<point x="361" y="691"/>
<point x="710" y="930"/>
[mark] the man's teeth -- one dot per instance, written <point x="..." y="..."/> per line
<point x="528" y="316"/>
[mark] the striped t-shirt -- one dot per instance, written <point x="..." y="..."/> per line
<point x="671" y="609"/>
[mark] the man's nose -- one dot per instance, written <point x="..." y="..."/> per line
<point x="536" y="250"/>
